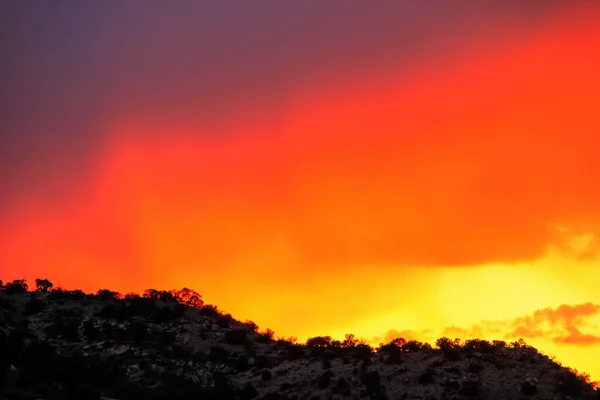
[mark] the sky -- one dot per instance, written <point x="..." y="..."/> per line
<point x="323" y="167"/>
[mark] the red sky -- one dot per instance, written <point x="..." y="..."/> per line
<point x="458" y="195"/>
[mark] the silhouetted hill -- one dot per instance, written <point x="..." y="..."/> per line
<point x="57" y="344"/>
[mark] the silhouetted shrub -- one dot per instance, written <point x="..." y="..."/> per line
<point x="325" y="379"/>
<point x="236" y="336"/>
<point x="274" y="396"/>
<point x="363" y="352"/>
<point x="478" y="345"/>
<point x="241" y="363"/>
<point x="445" y="343"/>
<point x="318" y="341"/>
<point x="326" y="364"/>
<point x="266" y="336"/>
<point x="64" y="327"/>
<point x="167" y="314"/>
<point x="208" y="310"/>
<point x="470" y="387"/>
<point x="266" y="375"/>
<point x="251" y="325"/>
<point x="16" y="286"/>
<point x="474" y="367"/>
<point x="341" y="387"/>
<point x="371" y="381"/>
<point x="262" y="361"/>
<point x="90" y="330"/>
<point x="57" y="294"/>
<point x="33" y="306"/>
<point x="7" y="305"/>
<point x="529" y="388"/>
<point x="138" y="331"/>
<point x="78" y="295"/>
<point x="571" y="383"/>
<point x="109" y="311"/>
<point x="217" y="354"/>
<point x="285" y="386"/>
<point x="107" y="295"/>
<point x="247" y="392"/>
<point x="141" y="306"/>
<point x="426" y="377"/>
<point x="43" y="285"/>
<point x="392" y="351"/>
<point x="452" y="354"/>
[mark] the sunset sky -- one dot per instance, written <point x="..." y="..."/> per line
<point x="390" y="168"/>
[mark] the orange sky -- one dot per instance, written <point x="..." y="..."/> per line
<point x="462" y="195"/>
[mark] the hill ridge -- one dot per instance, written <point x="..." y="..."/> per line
<point x="169" y="344"/>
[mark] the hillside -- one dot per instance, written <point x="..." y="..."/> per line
<point x="58" y="344"/>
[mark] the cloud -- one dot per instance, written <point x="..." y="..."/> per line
<point x="560" y="325"/>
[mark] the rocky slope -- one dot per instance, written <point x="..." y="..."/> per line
<point x="169" y="345"/>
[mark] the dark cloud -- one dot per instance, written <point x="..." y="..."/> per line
<point x="70" y="69"/>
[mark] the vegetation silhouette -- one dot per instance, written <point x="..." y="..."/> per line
<point x="67" y="344"/>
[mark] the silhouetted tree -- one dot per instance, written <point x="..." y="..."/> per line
<point x="350" y="341"/>
<point x="43" y="285"/>
<point x="189" y="297"/>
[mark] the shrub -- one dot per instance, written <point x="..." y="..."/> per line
<point x="474" y="366"/>
<point x="572" y="383"/>
<point x="529" y="388"/>
<point x="426" y="377"/>
<point x="248" y="392"/>
<point x="241" y="363"/>
<point x="319" y="342"/>
<point x="33" y="306"/>
<point x="137" y="331"/>
<point x="262" y="361"/>
<point x="341" y="387"/>
<point x="107" y="295"/>
<point x="236" y="336"/>
<point x="266" y="336"/>
<point x="371" y="381"/>
<point x="217" y="354"/>
<point x="90" y="330"/>
<point x="266" y="375"/>
<point x="109" y="311"/>
<point x="325" y="379"/>
<point x="482" y="346"/>
<point x="16" y="286"/>
<point x="208" y="310"/>
<point x="363" y="351"/>
<point x="142" y="306"/>
<point x="251" y="325"/>
<point x="445" y="343"/>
